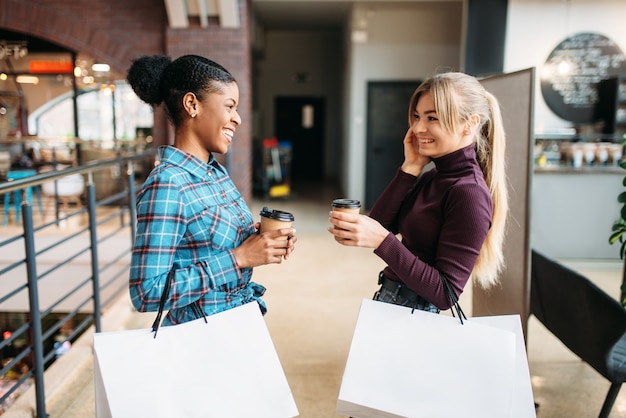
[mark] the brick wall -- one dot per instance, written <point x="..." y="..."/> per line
<point x="118" y="31"/>
<point x="230" y="48"/>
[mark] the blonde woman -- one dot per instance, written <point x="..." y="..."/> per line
<point x="448" y="221"/>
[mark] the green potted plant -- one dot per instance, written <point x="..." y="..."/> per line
<point x="619" y="229"/>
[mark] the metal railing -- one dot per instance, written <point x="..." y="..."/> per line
<point x="53" y="275"/>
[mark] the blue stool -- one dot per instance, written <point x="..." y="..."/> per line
<point x="17" y="195"/>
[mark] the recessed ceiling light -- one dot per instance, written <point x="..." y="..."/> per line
<point x="27" y="79"/>
<point x="101" y="68"/>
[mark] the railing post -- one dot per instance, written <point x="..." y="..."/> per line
<point x="120" y="183"/>
<point x="132" y="201"/>
<point x="57" y="212"/>
<point x="35" y="315"/>
<point x="95" y="269"/>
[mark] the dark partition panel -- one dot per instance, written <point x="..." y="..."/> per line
<point x="515" y="94"/>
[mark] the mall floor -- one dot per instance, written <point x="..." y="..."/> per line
<point x="313" y="301"/>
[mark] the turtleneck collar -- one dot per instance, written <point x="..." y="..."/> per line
<point x="456" y="160"/>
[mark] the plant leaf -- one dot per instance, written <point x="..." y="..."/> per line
<point x="618" y="226"/>
<point x="615" y="236"/>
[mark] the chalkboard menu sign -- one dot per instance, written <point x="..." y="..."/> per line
<point x="570" y="76"/>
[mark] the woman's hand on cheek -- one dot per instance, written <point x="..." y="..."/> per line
<point x="414" y="162"/>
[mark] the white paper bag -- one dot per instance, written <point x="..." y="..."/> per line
<point x="523" y="399"/>
<point x="227" y="367"/>
<point x="419" y="364"/>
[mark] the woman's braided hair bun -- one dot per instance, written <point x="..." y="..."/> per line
<point x="145" y="75"/>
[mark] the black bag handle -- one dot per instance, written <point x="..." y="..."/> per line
<point x="452" y="299"/>
<point x="195" y="306"/>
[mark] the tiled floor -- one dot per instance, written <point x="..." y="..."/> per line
<point x="313" y="301"/>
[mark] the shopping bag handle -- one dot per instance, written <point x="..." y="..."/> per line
<point x="195" y="307"/>
<point x="452" y="299"/>
<point x="164" y="296"/>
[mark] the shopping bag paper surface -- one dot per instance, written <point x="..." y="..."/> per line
<point x="405" y="363"/>
<point x="227" y="367"/>
<point x="523" y="399"/>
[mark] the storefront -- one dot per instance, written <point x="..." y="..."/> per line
<point x="577" y="176"/>
<point x="59" y="109"/>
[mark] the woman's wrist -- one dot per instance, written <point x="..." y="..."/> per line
<point x="413" y="169"/>
<point x="239" y="259"/>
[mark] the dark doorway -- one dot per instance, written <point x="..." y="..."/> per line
<point x="387" y="123"/>
<point x="301" y="121"/>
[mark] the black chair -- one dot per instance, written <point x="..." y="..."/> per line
<point x="586" y="319"/>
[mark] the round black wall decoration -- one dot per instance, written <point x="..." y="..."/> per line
<point x="570" y="75"/>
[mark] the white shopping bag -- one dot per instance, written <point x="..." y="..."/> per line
<point x="227" y="367"/>
<point x="523" y="399"/>
<point x="412" y="363"/>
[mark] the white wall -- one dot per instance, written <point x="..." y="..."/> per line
<point x="536" y="27"/>
<point x="405" y="41"/>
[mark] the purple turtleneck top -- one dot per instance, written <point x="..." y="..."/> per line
<point x="442" y="217"/>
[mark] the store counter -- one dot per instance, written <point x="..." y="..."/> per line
<point x="573" y="210"/>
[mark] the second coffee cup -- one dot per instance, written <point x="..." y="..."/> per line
<point x="347" y="205"/>
<point x="272" y="219"/>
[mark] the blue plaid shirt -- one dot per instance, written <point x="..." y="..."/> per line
<point x="190" y="217"/>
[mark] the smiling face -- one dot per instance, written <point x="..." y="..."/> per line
<point x="217" y="119"/>
<point x="434" y="140"/>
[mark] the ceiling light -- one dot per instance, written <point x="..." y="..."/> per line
<point x="101" y="68"/>
<point x="27" y="79"/>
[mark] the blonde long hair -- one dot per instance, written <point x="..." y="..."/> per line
<point x="457" y="97"/>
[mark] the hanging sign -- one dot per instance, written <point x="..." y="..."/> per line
<point x="50" y="67"/>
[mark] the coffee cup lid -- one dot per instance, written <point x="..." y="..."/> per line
<point x="279" y="215"/>
<point x="346" y="203"/>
